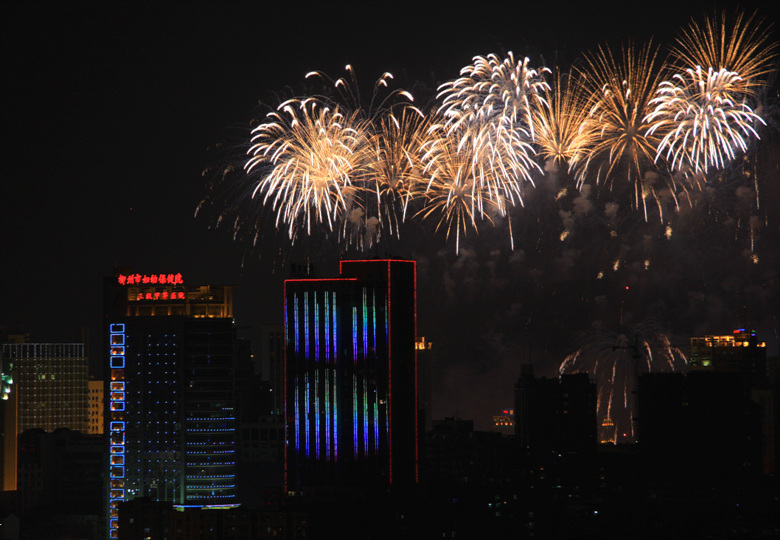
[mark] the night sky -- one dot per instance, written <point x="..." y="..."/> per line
<point x="113" y="112"/>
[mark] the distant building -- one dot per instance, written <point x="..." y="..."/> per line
<point x="96" y="406"/>
<point x="351" y="404"/>
<point x="60" y="473"/>
<point x="700" y="425"/>
<point x="424" y="384"/>
<point x="51" y="380"/>
<point x="740" y="352"/>
<point x="8" y="426"/>
<point x="745" y="357"/>
<point x="272" y="361"/>
<point x="171" y="419"/>
<point x="504" y="422"/>
<point x="555" y="415"/>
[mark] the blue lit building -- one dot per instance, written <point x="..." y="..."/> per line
<point x="170" y="416"/>
<point x="350" y="377"/>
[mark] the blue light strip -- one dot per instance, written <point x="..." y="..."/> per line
<point x="296" y="343"/>
<point x="317" y="431"/>
<point x="327" y="413"/>
<point x="297" y="418"/>
<point x="327" y="327"/>
<point x="306" y="418"/>
<point x="354" y="336"/>
<point x="365" y="417"/>
<point x="306" y="336"/>
<point x="365" y="323"/>
<point x="354" y="415"/>
<point x="116" y="423"/>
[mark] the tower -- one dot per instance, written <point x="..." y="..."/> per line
<point x="170" y="417"/>
<point x="350" y="377"/>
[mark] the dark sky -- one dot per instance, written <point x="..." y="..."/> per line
<point x="110" y="111"/>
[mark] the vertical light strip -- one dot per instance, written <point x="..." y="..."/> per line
<point x="316" y="328"/>
<point x="116" y="488"/>
<point x="376" y="393"/>
<point x="317" y="448"/>
<point x="327" y="413"/>
<point x="365" y="323"/>
<point x="307" y="417"/>
<point x="354" y="336"/>
<point x="354" y="415"/>
<point x="365" y="416"/>
<point x="327" y="326"/>
<point x="296" y="338"/>
<point x="335" y="417"/>
<point x="306" y="335"/>
<point x="297" y="418"/>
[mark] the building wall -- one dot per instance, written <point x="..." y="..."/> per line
<point x="96" y="406"/>
<point x="351" y="412"/>
<point x="171" y="420"/>
<point x="51" y="379"/>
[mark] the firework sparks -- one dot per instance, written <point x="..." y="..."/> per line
<point x="454" y="192"/>
<point x="702" y="119"/>
<point x="561" y="128"/>
<point x="742" y="46"/>
<point x="619" y="94"/>
<point x="311" y="157"/>
<point x="489" y="110"/>
<point x="615" y="360"/>
<point x="396" y="171"/>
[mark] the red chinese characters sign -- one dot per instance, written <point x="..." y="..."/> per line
<point x="154" y="279"/>
<point x="161" y="295"/>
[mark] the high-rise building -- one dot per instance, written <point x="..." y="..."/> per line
<point x="350" y="377"/>
<point x="557" y="415"/>
<point x="96" y="420"/>
<point x="170" y="417"/>
<point x="51" y="381"/>
<point x="272" y="363"/>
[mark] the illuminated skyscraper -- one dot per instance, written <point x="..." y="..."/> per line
<point x="170" y="416"/>
<point x="350" y="376"/>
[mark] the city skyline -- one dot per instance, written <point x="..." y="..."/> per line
<point x="109" y="134"/>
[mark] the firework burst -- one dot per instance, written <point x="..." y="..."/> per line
<point x="489" y="111"/>
<point x="311" y="158"/>
<point x="396" y="169"/>
<point x="561" y="129"/>
<point x="702" y="118"/>
<point x="742" y="46"/>
<point x="454" y="192"/>
<point x="619" y="91"/>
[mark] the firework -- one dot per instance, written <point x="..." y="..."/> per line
<point x="619" y="92"/>
<point x="703" y="120"/>
<point x="561" y="128"/>
<point x="489" y="110"/>
<point x="742" y="46"/>
<point x="396" y="168"/>
<point x="454" y="191"/>
<point x="310" y="157"/>
<point x="615" y="360"/>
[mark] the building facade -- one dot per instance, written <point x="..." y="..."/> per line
<point x="170" y="418"/>
<point x="350" y="377"/>
<point x="51" y="381"/>
<point x="96" y="419"/>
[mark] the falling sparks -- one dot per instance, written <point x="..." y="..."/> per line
<point x="615" y="360"/>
